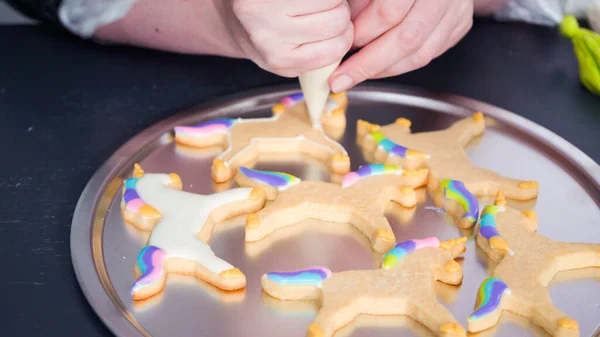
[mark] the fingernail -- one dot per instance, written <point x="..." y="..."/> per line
<point x="341" y="83"/>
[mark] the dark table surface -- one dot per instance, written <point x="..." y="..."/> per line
<point x="67" y="104"/>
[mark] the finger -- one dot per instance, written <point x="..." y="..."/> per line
<point x="310" y="56"/>
<point x="357" y="6"/>
<point x="379" y="17"/>
<point x="317" y="27"/>
<point x="305" y="7"/>
<point x="433" y="47"/>
<point x="463" y="27"/>
<point x="457" y="35"/>
<point x="396" y="44"/>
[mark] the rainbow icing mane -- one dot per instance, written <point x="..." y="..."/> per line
<point x="488" y="229"/>
<point x="279" y="180"/>
<point x="489" y="297"/>
<point x="310" y="276"/>
<point x="457" y="191"/>
<point x="205" y="129"/>
<point x="151" y="262"/>
<point x="369" y="171"/>
<point x="287" y="102"/>
<point x="135" y="204"/>
<point x="392" y="148"/>
<point x="404" y="248"/>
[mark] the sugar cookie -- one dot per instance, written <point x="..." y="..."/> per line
<point x="182" y="224"/>
<point x="287" y="131"/>
<point x="360" y="201"/>
<point x="527" y="263"/>
<point x="404" y="285"/>
<point x="442" y="152"/>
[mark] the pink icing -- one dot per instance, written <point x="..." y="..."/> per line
<point x="203" y="131"/>
<point x="427" y="242"/>
<point x="157" y="262"/>
<point x="135" y="204"/>
<point x="287" y="101"/>
<point x="350" y="179"/>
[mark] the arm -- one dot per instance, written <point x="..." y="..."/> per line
<point x="195" y="27"/>
<point x="487" y="7"/>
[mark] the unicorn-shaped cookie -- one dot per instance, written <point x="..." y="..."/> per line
<point x="404" y="285"/>
<point x="442" y="152"/>
<point x="182" y="224"/>
<point x="360" y="200"/>
<point x="288" y="131"/>
<point x="527" y="262"/>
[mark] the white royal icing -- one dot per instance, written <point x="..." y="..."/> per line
<point x="184" y="214"/>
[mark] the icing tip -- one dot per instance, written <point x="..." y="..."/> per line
<point x="403" y="122"/>
<point x="528" y="184"/>
<point x="500" y="199"/>
<point x="479" y="118"/>
<point x="257" y="194"/>
<point x="231" y="273"/>
<point x="407" y="190"/>
<point x="278" y="108"/>
<point x="385" y="234"/>
<point x="137" y="171"/>
<point x="252" y="221"/>
<point x="531" y="214"/>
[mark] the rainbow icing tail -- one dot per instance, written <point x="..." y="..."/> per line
<point x="394" y="149"/>
<point x="314" y="276"/>
<point x="402" y="249"/>
<point x="151" y="262"/>
<point x="456" y="190"/>
<point x="279" y="180"/>
<point x="489" y="298"/>
<point x="488" y="228"/>
<point x="369" y="171"/>
<point x="205" y="129"/>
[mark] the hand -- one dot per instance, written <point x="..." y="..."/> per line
<point x="400" y="36"/>
<point x="289" y="37"/>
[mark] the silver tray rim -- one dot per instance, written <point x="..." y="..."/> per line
<point x="112" y="311"/>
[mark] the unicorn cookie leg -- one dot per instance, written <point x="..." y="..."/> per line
<point x="178" y="219"/>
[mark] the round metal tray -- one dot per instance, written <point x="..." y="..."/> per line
<point x="104" y="248"/>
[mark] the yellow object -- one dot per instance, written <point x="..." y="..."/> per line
<point x="587" y="49"/>
<point x="231" y="273"/>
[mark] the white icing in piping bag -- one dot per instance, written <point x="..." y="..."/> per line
<point x="316" y="90"/>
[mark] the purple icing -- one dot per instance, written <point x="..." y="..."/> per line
<point x="129" y="195"/>
<point x="399" y="151"/>
<point x="364" y="171"/>
<point x="471" y="199"/>
<point x="226" y="121"/>
<point x="490" y="298"/>
<point x="297" y="97"/>
<point x="407" y="246"/>
<point x="488" y="232"/>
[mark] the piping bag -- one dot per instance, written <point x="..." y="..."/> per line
<point x="586" y="44"/>
<point x="315" y="88"/>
